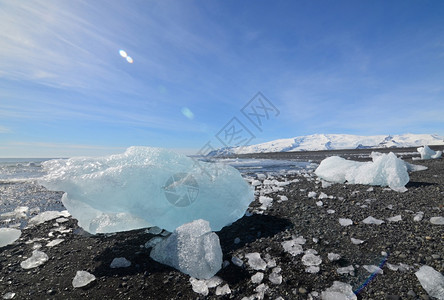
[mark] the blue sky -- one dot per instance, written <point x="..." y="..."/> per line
<point x="357" y="67"/>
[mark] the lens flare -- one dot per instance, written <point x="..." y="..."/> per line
<point x="123" y="53"/>
<point x="187" y="113"/>
<point x="129" y="59"/>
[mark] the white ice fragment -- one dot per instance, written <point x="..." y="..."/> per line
<point x="223" y="290"/>
<point x="283" y="198"/>
<point x="310" y="259"/>
<point x="255" y="261"/>
<point x="237" y="261"/>
<point x="18" y="213"/>
<point x="146" y="187"/>
<point x="427" y="153"/>
<point x="384" y="170"/>
<point x="331" y="211"/>
<point x="325" y="184"/>
<point x="9" y="236"/>
<point x="213" y="282"/>
<point x="48" y="216"/>
<point x="373" y="269"/>
<point x="370" y="189"/>
<point x="333" y="256"/>
<point x="356" y="241"/>
<point x="120" y="262"/>
<point x="255" y="183"/>
<point x="418" y="217"/>
<point x="54" y="242"/>
<point x="266" y="202"/>
<point x="9" y="295"/>
<point x="199" y="286"/>
<point x="62" y="220"/>
<point x="154" y="230"/>
<point x="82" y="278"/>
<point x="339" y="291"/>
<point x="261" y="176"/>
<point x="323" y="196"/>
<point x="275" y="278"/>
<point x="319" y="203"/>
<point x="312" y="269"/>
<point x="437" y="220"/>
<point x="292" y="247"/>
<point x="346" y="270"/>
<point x="432" y="281"/>
<point x="396" y="218"/>
<point x="312" y="195"/>
<point x="257" y="278"/>
<point x="192" y="249"/>
<point x="38" y="258"/>
<point x="345" y="222"/>
<point x="371" y="220"/>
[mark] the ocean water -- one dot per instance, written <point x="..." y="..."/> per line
<point x="21" y="197"/>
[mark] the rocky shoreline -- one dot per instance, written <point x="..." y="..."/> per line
<point x="404" y="245"/>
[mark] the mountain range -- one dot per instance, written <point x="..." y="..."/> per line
<point x="316" y="142"/>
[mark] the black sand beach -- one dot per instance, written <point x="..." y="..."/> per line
<point x="413" y="243"/>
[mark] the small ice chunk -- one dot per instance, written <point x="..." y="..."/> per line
<point x="346" y="270"/>
<point x="9" y="236"/>
<point x="427" y="153"/>
<point x="266" y="202"/>
<point x="292" y="247"/>
<point x="257" y="278"/>
<point x="371" y="220"/>
<point x="82" y="278"/>
<point x="437" y="220"/>
<point x="312" y="195"/>
<point x="356" y="241"/>
<point x="333" y="256"/>
<point x="62" y="220"/>
<point x="401" y="267"/>
<point x="9" y="295"/>
<point x="223" y="290"/>
<point x="339" y="291"/>
<point x="323" y="196"/>
<point x="312" y="269"/>
<point x="261" y="176"/>
<point x="283" y="198"/>
<point x="275" y="278"/>
<point x="418" y="217"/>
<point x="154" y="230"/>
<point x="373" y="269"/>
<point x="325" y="184"/>
<point x="120" y="262"/>
<point x="432" y="281"/>
<point x="384" y="170"/>
<point x="345" y="222"/>
<point x="237" y="261"/>
<point x="213" y="282"/>
<point x="395" y="218"/>
<point x="38" y="258"/>
<point x="192" y="249"/>
<point x="153" y="242"/>
<point x="319" y="203"/>
<point x="199" y="286"/>
<point x="48" y="216"/>
<point x="54" y="242"/>
<point x="255" y="261"/>
<point x="330" y="211"/>
<point x="310" y="259"/>
<point x="370" y="189"/>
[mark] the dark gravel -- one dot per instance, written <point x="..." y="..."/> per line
<point x="409" y="242"/>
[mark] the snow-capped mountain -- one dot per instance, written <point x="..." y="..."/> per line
<point x="316" y="142"/>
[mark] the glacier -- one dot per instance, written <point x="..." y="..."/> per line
<point x="145" y="187"/>
<point x="384" y="170"/>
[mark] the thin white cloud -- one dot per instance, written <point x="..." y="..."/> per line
<point x="4" y="129"/>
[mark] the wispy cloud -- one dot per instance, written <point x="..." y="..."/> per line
<point x="4" y="129"/>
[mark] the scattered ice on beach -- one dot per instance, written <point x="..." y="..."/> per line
<point x="275" y="278"/>
<point x="266" y="202"/>
<point x="213" y="281"/>
<point x="373" y="269"/>
<point x="400" y="267"/>
<point x="319" y="203"/>
<point x="333" y="256"/>
<point x="294" y="246"/>
<point x="255" y="261"/>
<point x="18" y="213"/>
<point x="223" y="290"/>
<point x="38" y="258"/>
<point x="9" y="236"/>
<point x="323" y="196"/>
<point x="237" y="261"/>
<point x="147" y="186"/>
<point x="311" y="195"/>
<point x="419" y="216"/>
<point x="82" y="279"/>
<point x="199" y="286"/>
<point x="330" y="211"/>
<point x="47" y="216"/>
<point x="356" y="241"/>
<point x="432" y="281"/>
<point x="120" y="262"/>
<point x="346" y="270"/>
<point x="339" y="291"/>
<point x="282" y="198"/>
<point x="192" y="249"/>
<point x="370" y="189"/>
<point x="312" y="269"/>
<point x="345" y="222"/>
<point x="310" y="259"/>
<point x="257" y="278"/>
<point x="396" y="218"/>
<point x="384" y="170"/>
<point x="371" y="220"/>
<point x="54" y="242"/>
<point x="9" y="295"/>
<point x="427" y="153"/>
<point x="62" y="220"/>
<point x="437" y="220"/>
